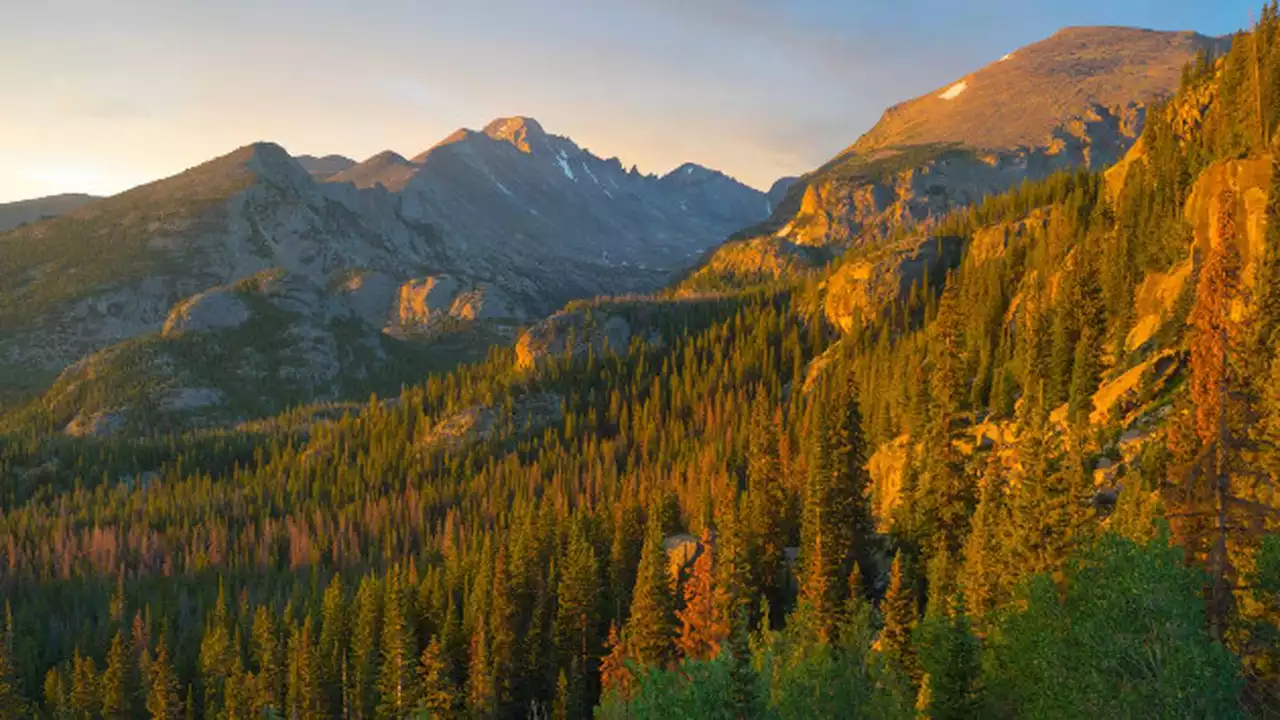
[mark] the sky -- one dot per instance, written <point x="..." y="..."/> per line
<point x="101" y="96"/>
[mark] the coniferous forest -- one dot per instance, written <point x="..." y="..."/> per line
<point x="1018" y="493"/>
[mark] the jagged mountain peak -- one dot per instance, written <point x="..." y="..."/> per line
<point x="693" y="172"/>
<point x="524" y="133"/>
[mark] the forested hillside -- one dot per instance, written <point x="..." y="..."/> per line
<point x="1030" y="478"/>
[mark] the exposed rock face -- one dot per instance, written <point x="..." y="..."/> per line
<point x="211" y="310"/>
<point x="529" y="413"/>
<point x="1154" y="302"/>
<point x="682" y="550"/>
<point x="572" y="332"/>
<point x="864" y="289"/>
<point x="99" y="425"/>
<point x="1077" y="99"/>
<point x="421" y="302"/>
<point x="427" y="306"/>
<point x="1249" y="181"/>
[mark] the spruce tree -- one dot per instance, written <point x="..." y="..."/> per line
<point x="86" y="694"/>
<point x="365" y="630"/>
<point x="116" y="691"/>
<point x="481" y="689"/>
<point x="438" y="696"/>
<point x="984" y="577"/>
<point x="164" y="701"/>
<point x="502" y="633"/>
<point x="268" y="660"/>
<point x="578" y="608"/>
<point x="951" y="655"/>
<point x="651" y="625"/>
<point x="768" y="500"/>
<point x="215" y="655"/>
<point x="333" y="644"/>
<point x="900" y="613"/>
<point x="399" y="662"/>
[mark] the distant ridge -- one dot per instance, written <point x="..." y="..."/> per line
<point x="25" y="211"/>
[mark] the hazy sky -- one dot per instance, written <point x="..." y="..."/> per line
<point x="98" y="96"/>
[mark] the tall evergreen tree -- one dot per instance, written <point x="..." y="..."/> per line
<point x="578" y="613"/>
<point x="768" y="500"/>
<point x="117" y="695"/>
<point x="268" y="659"/>
<point x="651" y="626"/>
<point x="900" y="613"/>
<point x="984" y="577"/>
<point x="397" y="673"/>
<point x="365" y="630"/>
<point x="163" y="699"/>
<point x="438" y="696"/>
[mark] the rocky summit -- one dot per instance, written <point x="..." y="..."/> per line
<point x="483" y="231"/>
<point x="1075" y="100"/>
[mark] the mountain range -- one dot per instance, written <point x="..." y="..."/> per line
<point x="480" y="233"/>
<point x="369" y="273"/>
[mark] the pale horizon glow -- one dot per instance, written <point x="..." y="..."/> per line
<point x="101" y="97"/>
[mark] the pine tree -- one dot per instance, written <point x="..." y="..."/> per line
<point x="984" y="577"/>
<point x="1084" y="378"/>
<point x="163" y="699"/>
<point x="856" y="620"/>
<point x="438" y="694"/>
<point x="628" y="534"/>
<point x="304" y="696"/>
<point x="267" y="660"/>
<point x="768" y="500"/>
<point x="951" y="656"/>
<point x="502" y="634"/>
<point x="1049" y="505"/>
<point x="650" y="628"/>
<point x="334" y="640"/>
<point x="481" y="690"/>
<point x="85" y="692"/>
<point x="57" y="693"/>
<point x="837" y="524"/>
<point x="900" y="613"/>
<point x="702" y="627"/>
<point x="365" y="630"/>
<point x="578" y="608"/>
<point x="399" y="651"/>
<point x="215" y="655"/>
<point x="116" y="691"/>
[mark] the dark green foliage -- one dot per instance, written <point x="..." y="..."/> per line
<point x="950" y="655"/>
<point x="1126" y="639"/>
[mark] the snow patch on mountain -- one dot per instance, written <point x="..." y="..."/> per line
<point x="954" y="91"/>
